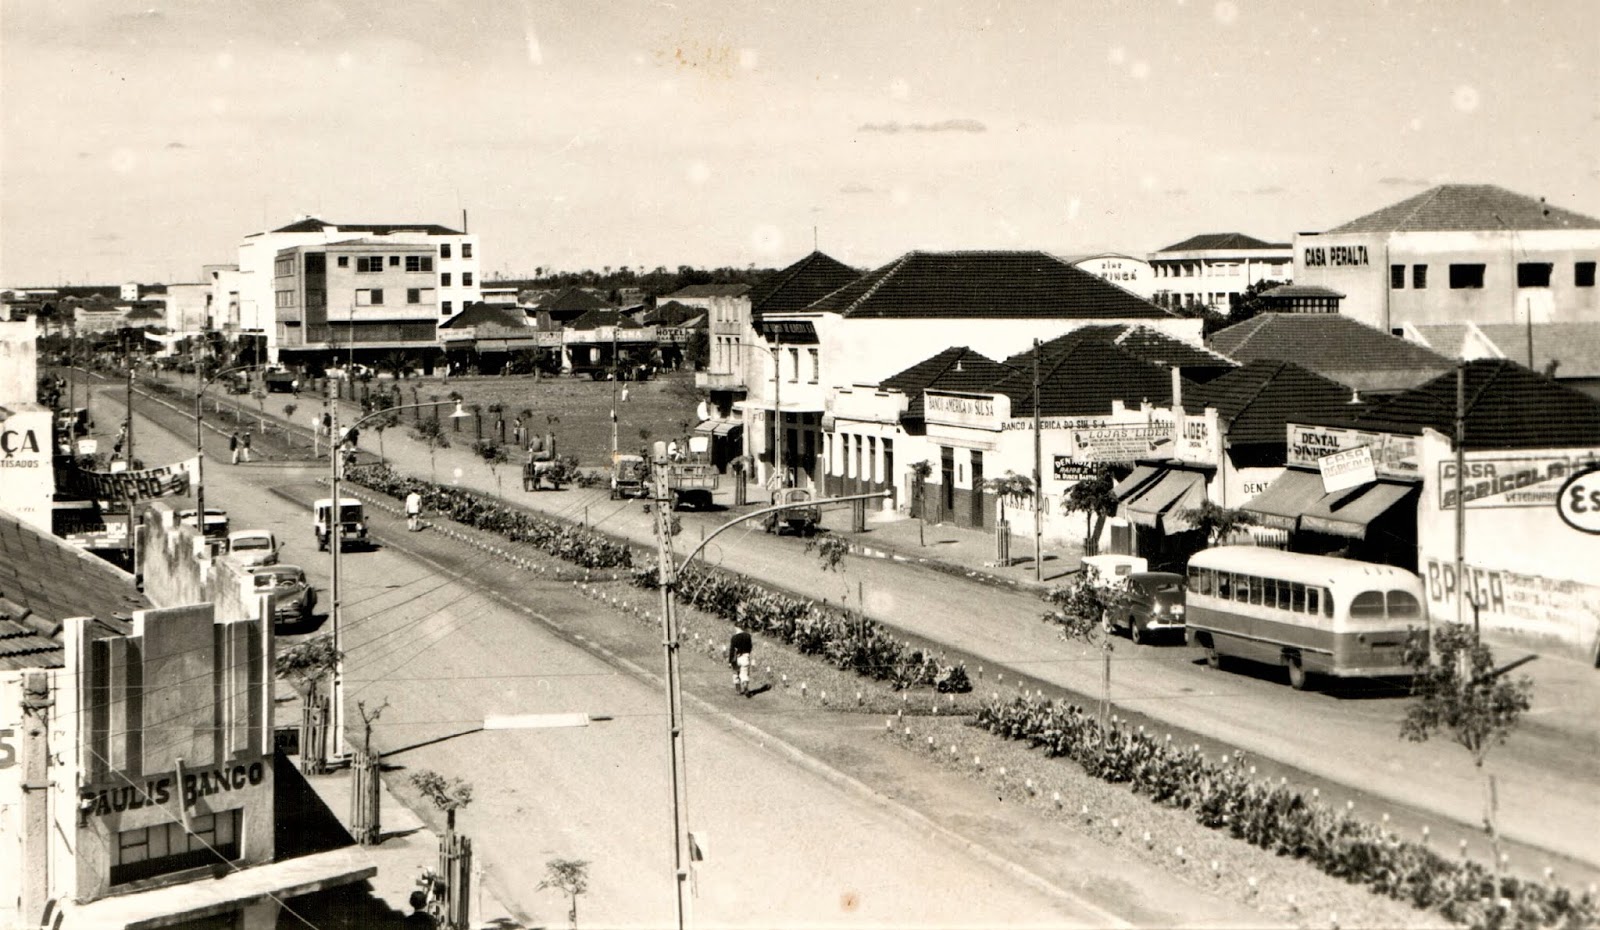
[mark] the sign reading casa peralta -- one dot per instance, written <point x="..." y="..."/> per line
<point x="166" y="481"/>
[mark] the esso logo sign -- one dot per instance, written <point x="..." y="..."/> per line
<point x="1579" y="501"/>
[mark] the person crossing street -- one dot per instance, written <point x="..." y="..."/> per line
<point x="739" y="647"/>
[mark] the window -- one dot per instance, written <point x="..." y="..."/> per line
<point x="466" y="279"/>
<point x="413" y="295"/>
<point x="369" y="264"/>
<point x="1397" y="277"/>
<point x="1297" y="597"/>
<point x="1241" y="589"/>
<point x="168" y="847"/>
<point x="1225" y="585"/>
<point x="1419" y="277"/>
<point x="419" y="262"/>
<point x="285" y="298"/>
<point x="1534" y="274"/>
<point x="369" y="298"/>
<point x="794" y="364"/>
<point x="1403" y="605"/>
<point x="1583" y="274"/>
<point x="1367" y="604"/>
<point x="444" y="250"/>
<point x="444" y="279"/>
<point x="1313" y="599"/>
<point x="466" y="250"/>
<point x="394" y="261"/>
<point x="1269" y="592"/>
<point x="283" y="266"/>
<point x="816" y="365"/>
<point x="1466" y="276"/>
<point x="444" y="307"/>
<point x="344" y="261"/>
<point x="316" y="263"/>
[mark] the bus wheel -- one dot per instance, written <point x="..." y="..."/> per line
<point x="1213" y="657"/>
<point x="1297" y="673"/>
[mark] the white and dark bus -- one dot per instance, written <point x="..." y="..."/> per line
<point x="1312" y="614"/>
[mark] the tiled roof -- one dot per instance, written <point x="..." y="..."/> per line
<point x="145" y="313"/>
<point x="1574" y="347"/>
<point x="1506" y="407"/>
<point x="799" y="285"/>
<point x="479" y="314"/>
<point x="311" y="224"/>
<point x="984" y="285"/>
<point x="1262" y="398"/>
<point x="1467" y="207"/>
<point x="1084" y="379"/>
<point x="1301" y="290"/>
<point x="1222" y="242"/>
<point x="955" y="369"/>
<point x="596" y="318"/>
<point x="710" y="290"/>
<point x="1145" y="343"/>
<point x="52" y="580"/>
<point x="1332" y="345"/>
<point x="571" y="301"/>
<point x="673" y="313"/>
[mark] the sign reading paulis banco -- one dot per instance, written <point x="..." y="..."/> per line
<point x="1578" y="501"/>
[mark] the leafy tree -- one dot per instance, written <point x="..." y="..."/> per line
<point x="1459" y="692"/>
<point x="571" y="878"/>
<point x="431" y="433"/>
<point x="382" y="401"/>
<point x="1092" y="497"/>
<point x="1080" y="610"/>
<point x="448" y="796"/>
<point x="920" y="471"/>
<point x="1009" y="485"/>
<point x="697" y="351"/>
<point x="307" y="663"/>
<point x="831" y="550"/>
<point x="1217" y="522"/>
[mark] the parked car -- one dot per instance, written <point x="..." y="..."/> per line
<point x="293" y="597"/>
<point x="1150" y="602"/>
<point x="216" y="522"/>
<point x="803" y="516"/>
<point x="253" y="547"/>
<point x="352" y="522"/>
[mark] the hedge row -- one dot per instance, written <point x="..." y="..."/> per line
<point x="847" y="639"/>
<point x="1228" y="796"/>
<point x="559" y="538"/>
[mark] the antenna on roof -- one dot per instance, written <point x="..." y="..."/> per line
<point x="813" y="237"/>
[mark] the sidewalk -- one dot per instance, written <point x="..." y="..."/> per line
<point x="1547" y="775"/>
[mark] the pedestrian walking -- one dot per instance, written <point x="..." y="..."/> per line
<point x="233" y="447"/>
<point x="244" y="446"/>
<point x="413" y="511"/>
<point x="739" y="647"/>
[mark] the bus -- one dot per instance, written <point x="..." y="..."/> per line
<point x="1312" y="614"/>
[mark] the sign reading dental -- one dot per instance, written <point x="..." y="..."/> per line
<point x="1393" y="455"/>
<point x="977" y="411"/>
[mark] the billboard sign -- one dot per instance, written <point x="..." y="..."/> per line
<point x="1351" y="468"/>
<point x="1393" y="455"/>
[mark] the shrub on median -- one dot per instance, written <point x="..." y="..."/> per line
<point x="1226" y="795"/>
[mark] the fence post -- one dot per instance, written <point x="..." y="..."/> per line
<point x="365" y="821"/>
<point x="313" y="734"/>
<point x="455" y="867"/>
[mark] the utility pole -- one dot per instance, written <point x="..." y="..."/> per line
<point x="335" y="519"/>
<point x="1461" y="505"/>
<point x="615" y="372"/>
<point x="777" y="416"/>
<point x="132" y="560"/>
<point x="1038" y="475"/>
<point x="679" y="774"/>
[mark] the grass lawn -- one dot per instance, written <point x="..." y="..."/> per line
<point x="576" y="410"/>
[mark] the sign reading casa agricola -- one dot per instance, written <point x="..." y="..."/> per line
<point x="160" y="790"/>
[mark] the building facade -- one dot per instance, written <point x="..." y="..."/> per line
<point x="1458" y="253"/>
<point x="1125" y="271"/>
<point x="362" y="297"/>
<point x="1211" y="271"/>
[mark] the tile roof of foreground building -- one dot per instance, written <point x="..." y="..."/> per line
<point x="480" y="314"/>
<point x="1261" y="399"/>
<point x="994" y="285"/>
<point x="694" y="291"/>
<point x="1332" y="345"/>
<point x="1084" y="379"/>
<point x="1507" y="406"/>
<point x="1143" y="342"/>
<point x="1467" y="207"/>
<point x="43" y="581"/>
<point x="955" y="369"/>
<point x="1574" y="348"/>
<point x="799" y="285"/>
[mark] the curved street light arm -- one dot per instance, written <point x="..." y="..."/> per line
<point x="815" y="502"/>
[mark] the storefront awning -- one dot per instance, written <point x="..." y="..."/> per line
<point x="794" y="332"/>
<point x="719" y="427"/>
<point x="1142" y="477"/>
<point x="1296" y="501"/>
<point x="1161" y="502"/>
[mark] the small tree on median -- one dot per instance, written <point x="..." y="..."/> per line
<point x="1080" y="609"/>
<point x="1217" y="522"/>
<point x="1459" y="692"/>
<point x="571" y="878"/>
<point x="448" y="796"/>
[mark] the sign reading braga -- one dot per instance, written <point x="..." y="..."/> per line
<point x="1578" y="501"/>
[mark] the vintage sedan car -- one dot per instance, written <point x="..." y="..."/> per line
<point x="253" y="547"/>
<point x="216" y="522"/>
<point x="293" y="597"/>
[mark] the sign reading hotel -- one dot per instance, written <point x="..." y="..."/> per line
<point x="1393" y="455"/>
<point x="975" y="411"/>
<point x="1532" y="481"/>
<point x="1351" y="468"/>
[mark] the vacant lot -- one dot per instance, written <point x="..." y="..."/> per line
<point x="576" y="410"/>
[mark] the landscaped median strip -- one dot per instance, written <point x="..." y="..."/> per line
<point x="1222" y="796"/>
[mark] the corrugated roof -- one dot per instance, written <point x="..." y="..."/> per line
<point x="955" y="369"/>
<point x="43" y="581"/>
<point x="799" y="285"/>
<point x="312" y="224"/>
<point x="984" y="285"/>
<point x="1222" y="242"/>
<point x="1332" y="345"/>
<point x="1506" y="407"/>
<point x="1467" y="207"/>
<point x="1262" y="398"/>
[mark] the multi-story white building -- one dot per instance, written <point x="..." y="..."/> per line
<point x="454" y="280"/>
<point x="1125" y="271"/>
<point x="1458" y="253"/>
<point x="1213" y="270"/>
<point x="356" y="298"/>
<point x="188" y="309"/>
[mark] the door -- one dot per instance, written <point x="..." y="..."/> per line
<point x="947" y="481"/>
<point x="979" y="499"/>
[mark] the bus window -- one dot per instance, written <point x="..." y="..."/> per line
<point x="1269" y="592"/>
<point x="1283" y="595"/>
<point x="1297" y="597"/>
<point x="1251" y="590"/>
<point x="1225" y="585"/>
<point x="1403" y="605"/>
<point x="1367" y="605"/>
<point x="1327" y="603"/>
<point x="1313" y="599"/>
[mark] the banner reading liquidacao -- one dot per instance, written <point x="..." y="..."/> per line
<point x="166" y="481"/>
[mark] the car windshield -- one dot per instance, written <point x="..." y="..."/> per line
<point x="1169" y="587"/>
<point x="274" y="579"/>
<point x="252" y="542"/>
<point x="349" y="514"/>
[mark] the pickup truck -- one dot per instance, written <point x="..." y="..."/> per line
<point x="691" y="484"/>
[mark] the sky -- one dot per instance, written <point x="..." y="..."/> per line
<point x="138" y="142"/>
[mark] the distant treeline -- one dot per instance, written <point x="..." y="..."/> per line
<point x="654" y="282"/>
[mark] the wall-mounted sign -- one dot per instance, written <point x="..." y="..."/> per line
<point x="972" y="410"/>
<point x="1122" y="443"/>
<point x="1049" y="423"/>
<point x="1578" y="501"/>
<point x="1321" y="256"/>
<point x="1393" y="455"/>
<point x="1065" y="469"/>
<point x="1510" y="482"/>
<point x="188" y="787"/>
<point x="1351" y="468"/>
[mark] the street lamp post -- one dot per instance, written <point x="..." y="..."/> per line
<point x="335" y="518"/>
